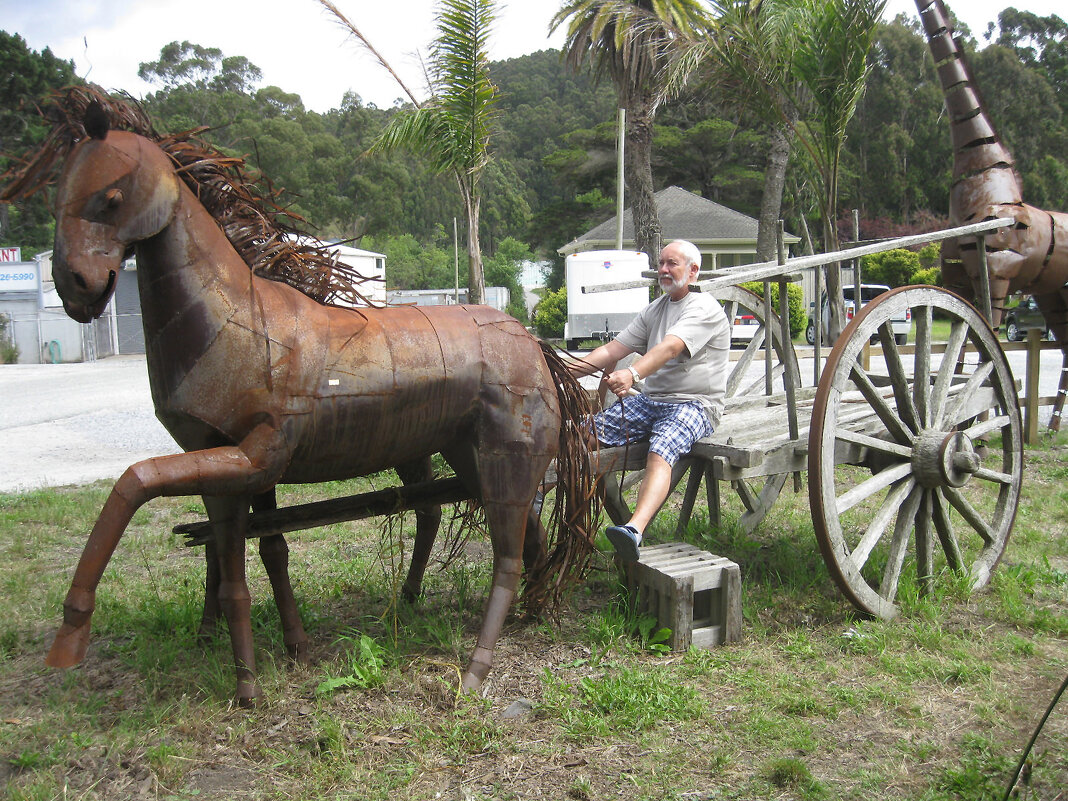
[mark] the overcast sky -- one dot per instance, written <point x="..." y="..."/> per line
<point x="297" y="44"/>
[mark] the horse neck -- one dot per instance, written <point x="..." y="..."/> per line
<point x="976" y="144"/>
<point x="190" y="263"/>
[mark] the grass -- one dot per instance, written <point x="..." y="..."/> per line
<point x="814" y="703"/>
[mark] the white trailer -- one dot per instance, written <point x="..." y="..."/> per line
<point x="602" y="315"/>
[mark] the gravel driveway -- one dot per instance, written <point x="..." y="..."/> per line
<point x="76" y="423"/>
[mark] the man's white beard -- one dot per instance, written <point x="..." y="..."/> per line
<point x="669" y="284"/>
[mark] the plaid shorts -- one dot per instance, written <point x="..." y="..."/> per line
<point x="671" y="428"/>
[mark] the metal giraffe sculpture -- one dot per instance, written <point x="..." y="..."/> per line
<point x="1030" y="256"/>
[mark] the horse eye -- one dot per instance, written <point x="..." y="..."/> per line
<point x="113" y="198"/>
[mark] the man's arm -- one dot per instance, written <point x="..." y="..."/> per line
<point x="621" y="381"/>
<point x="605" y="355"/>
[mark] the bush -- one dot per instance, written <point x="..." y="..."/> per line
<point x="796" y="297"/>
<point x="550" y="314"/>
<point x="9" y="352"/>
<point x="892" y="267"/>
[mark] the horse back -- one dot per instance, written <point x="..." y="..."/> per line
<point x="411" y="381"/>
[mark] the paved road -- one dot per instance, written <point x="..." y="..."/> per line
<point x="76" y="423"/>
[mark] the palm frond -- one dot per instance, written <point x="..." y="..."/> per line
<point x="345" y="23"/>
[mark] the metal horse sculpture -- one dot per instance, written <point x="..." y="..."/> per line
<point x="261" y="384"/>
<point x="1030" y="256"/>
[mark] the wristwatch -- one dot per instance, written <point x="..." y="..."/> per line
<point x="634" y="373"/>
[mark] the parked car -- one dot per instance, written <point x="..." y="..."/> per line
<point x="744" y="325"/>
<point x="1024" y="317"/>
<point x="868" y="292"/>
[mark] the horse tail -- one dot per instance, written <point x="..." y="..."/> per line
<point x="576" y="507"/>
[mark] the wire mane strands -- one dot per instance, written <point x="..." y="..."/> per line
<point x="244" y="203"/>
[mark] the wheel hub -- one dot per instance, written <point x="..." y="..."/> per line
<point x="942" y="459"/>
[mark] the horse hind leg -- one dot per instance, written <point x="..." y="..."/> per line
<point x="427" y="522"/>
<point x="506" y="483"/>
<point x="209" y="618"/>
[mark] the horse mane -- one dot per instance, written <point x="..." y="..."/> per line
<point x="244" y="203"/>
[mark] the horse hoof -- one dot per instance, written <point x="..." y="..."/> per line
<point x="248" y="694"/>
<point x="69" y="647"/>
<point x="299" y="652"/>
<point x="472" y="680"/>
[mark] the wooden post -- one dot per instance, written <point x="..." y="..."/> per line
<point x="1034" y="367"/>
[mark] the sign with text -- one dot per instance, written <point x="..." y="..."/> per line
<point x="10" y="254"/>
<point x="21" y="277"/>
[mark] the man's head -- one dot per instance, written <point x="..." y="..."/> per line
<point x="680" y="261"/>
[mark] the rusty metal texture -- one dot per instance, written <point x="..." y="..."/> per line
<point x="261" y="384"/>
<point x="1030" y="256"/>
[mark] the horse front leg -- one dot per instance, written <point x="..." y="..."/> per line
<point x="252" y="467"/>
<point x="427" y="522"/>
<point x="274" y="553"/>
<point x="229" y="523"/>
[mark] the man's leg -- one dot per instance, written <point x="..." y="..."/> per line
<point x="674" y="432"/>
<point x="653" y="491"/>
<point x="656" y="483"/>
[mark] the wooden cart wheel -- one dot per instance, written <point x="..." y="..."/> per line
<point x="748" y="379"/>
<point x="910" y="476"/>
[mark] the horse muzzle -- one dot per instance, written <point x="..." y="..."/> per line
<point x="85" y="293"/>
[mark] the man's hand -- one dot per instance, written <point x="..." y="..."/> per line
<point x="621" y="382"/>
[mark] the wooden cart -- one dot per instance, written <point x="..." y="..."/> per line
<point x="914" y="454"/>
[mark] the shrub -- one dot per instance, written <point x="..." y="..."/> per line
<point x="892" y="267"/>
<point x="796" y="297"/>
<point x="551" y="313"/>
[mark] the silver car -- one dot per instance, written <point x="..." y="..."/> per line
<point x="868" y="292"/>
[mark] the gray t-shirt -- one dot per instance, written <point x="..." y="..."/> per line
<point x="699" y="373"/>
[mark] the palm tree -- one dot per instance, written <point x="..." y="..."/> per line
<point x="831" y="62"/>
<point x="749" y="61"/>
<point x="801" y="64"/>
<point x="452" y="129"/>
<point x="630" y="41"/>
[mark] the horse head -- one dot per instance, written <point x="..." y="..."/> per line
<point x="117" y="188"/>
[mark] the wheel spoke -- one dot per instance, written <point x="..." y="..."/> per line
<point x="944" y="527"/>
<point x="970" y="515"/>
<point x="865" y="489"/>
<point x="924" y="551"/>
<point x="878" y="524"/>
<point x="743" y="363"/>
<point x="922" y="364"/>
<point x="873" y="443"/>
<point x="958" y="334"/>
<point x="879" y="405"/>
<point x="991" y="424"/>
<point x="957" y="409"/>
<point x="908" y="410"/>
<point x="899" y="545"/>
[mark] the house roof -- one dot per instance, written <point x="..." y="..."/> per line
<point x="683" y="215"/>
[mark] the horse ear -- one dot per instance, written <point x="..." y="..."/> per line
<point x="96" y="121"/>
